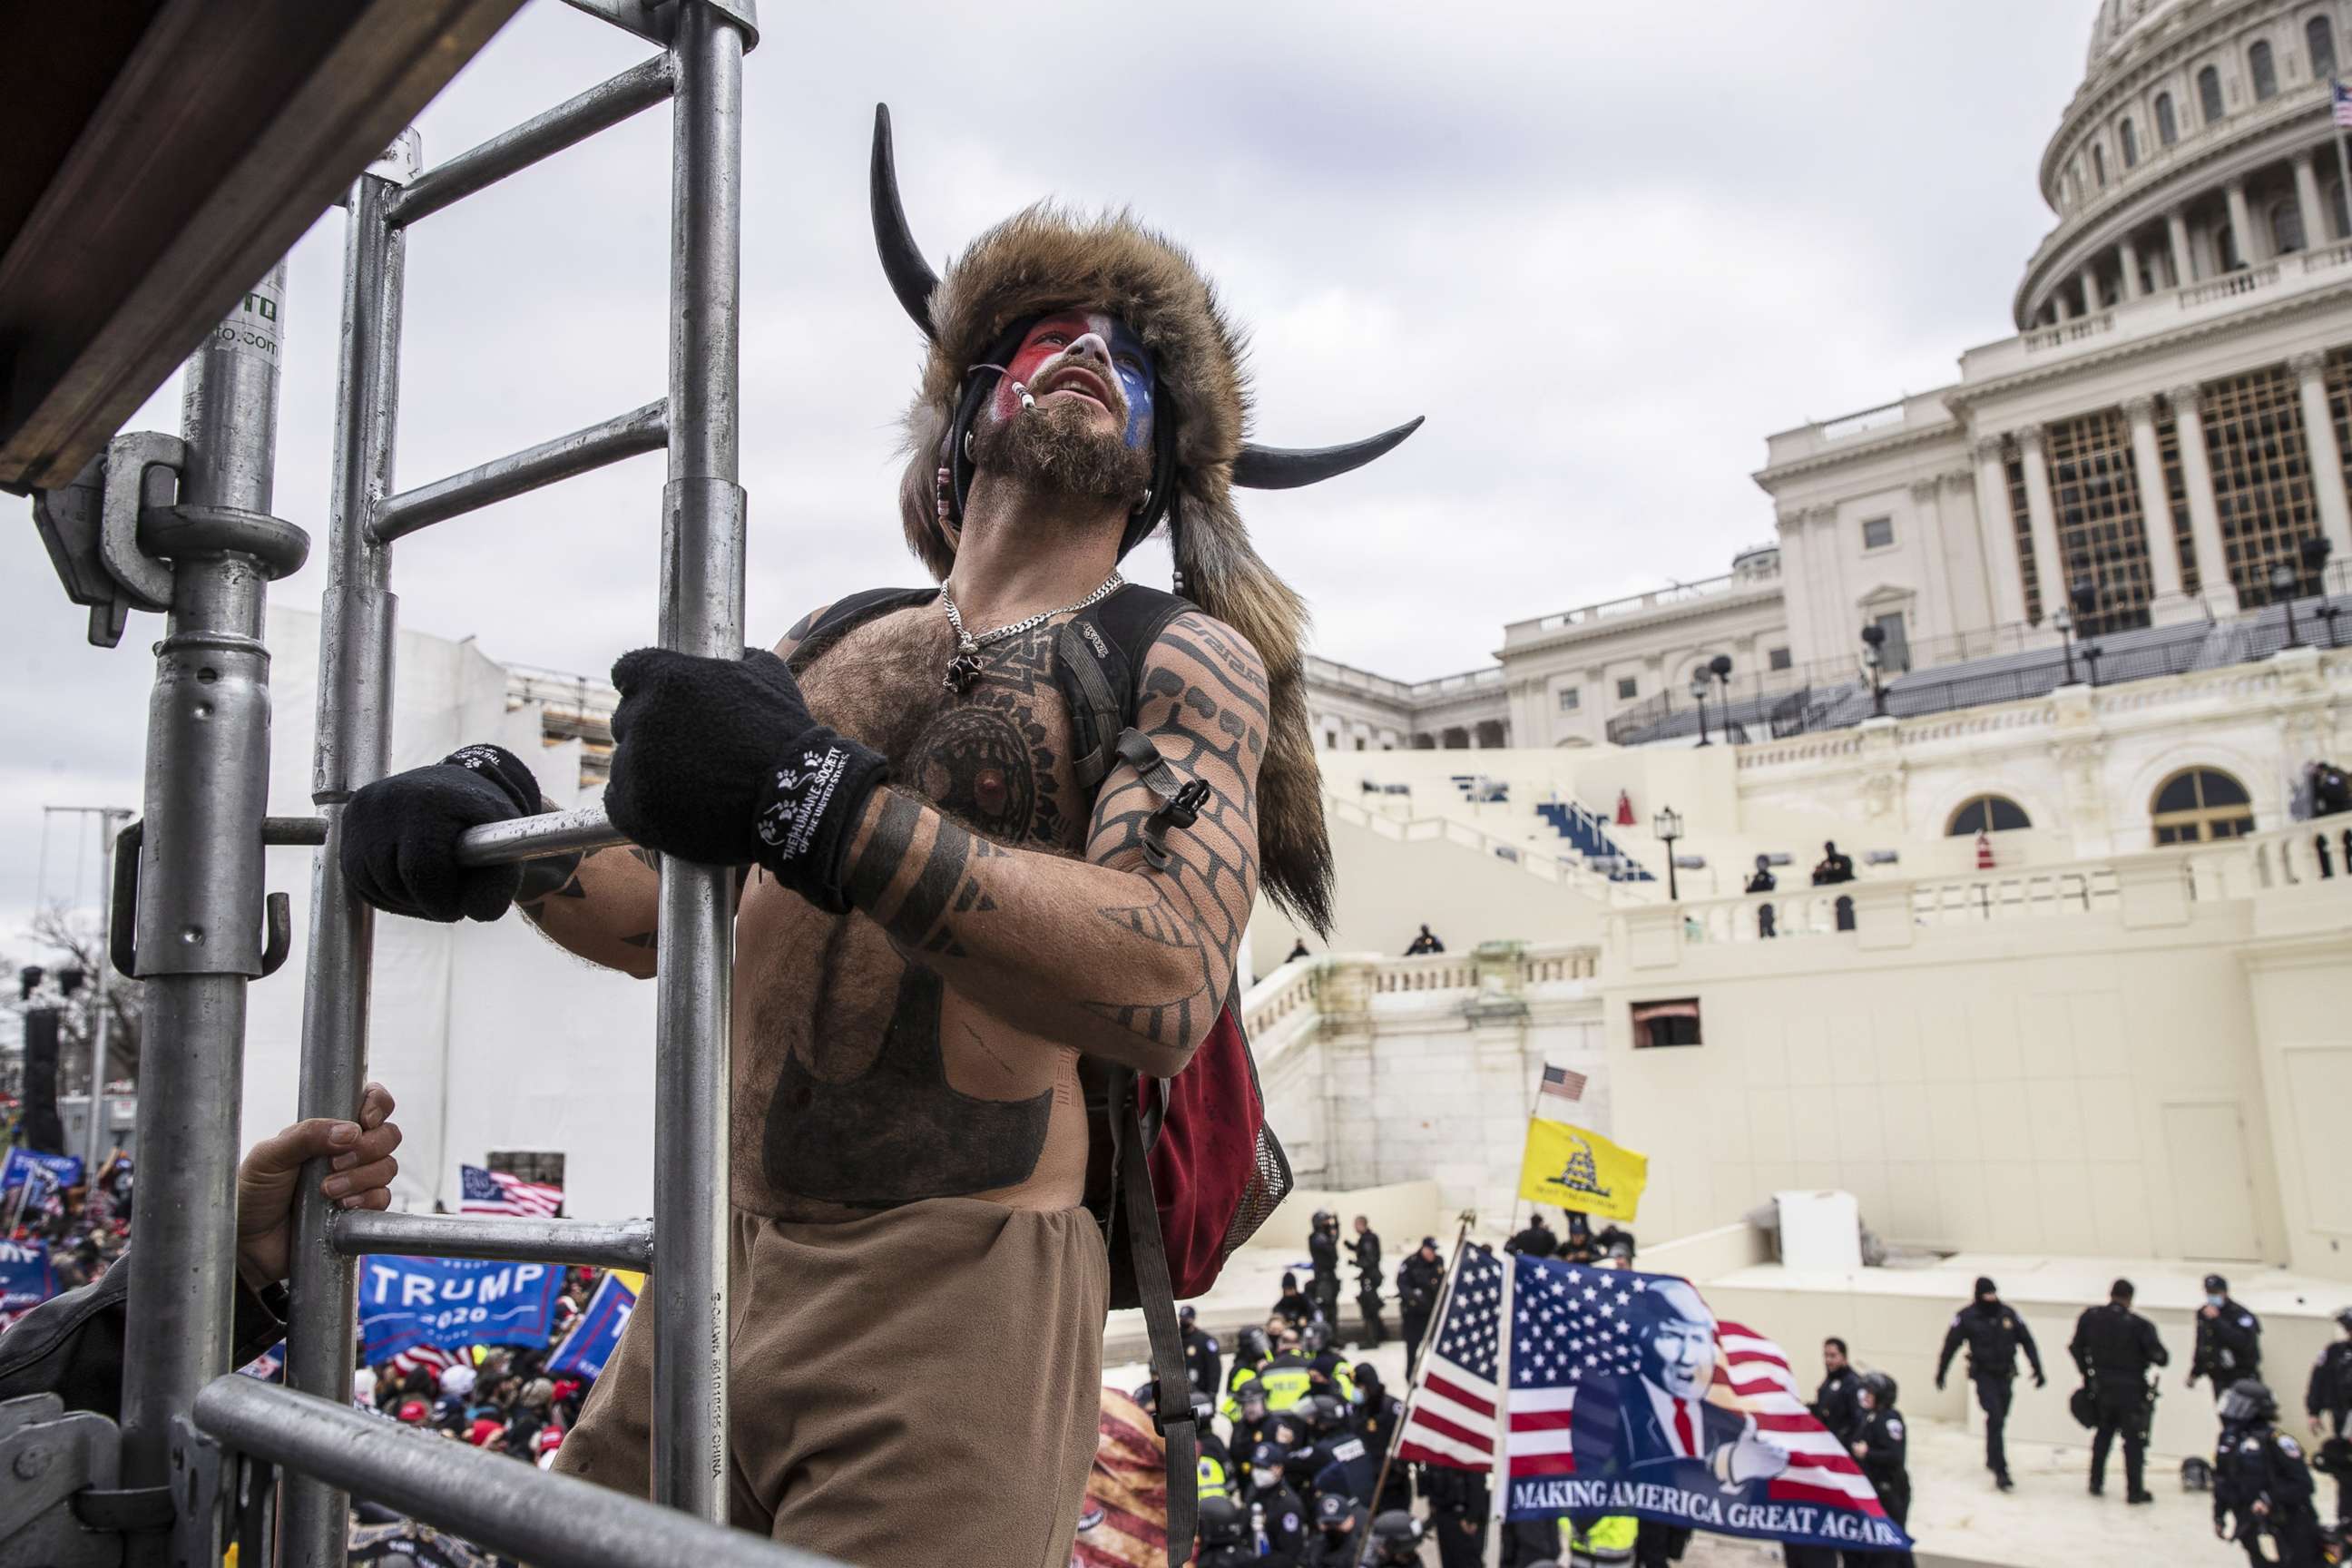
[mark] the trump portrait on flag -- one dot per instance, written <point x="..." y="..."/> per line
<point x="1653" y="1420"/>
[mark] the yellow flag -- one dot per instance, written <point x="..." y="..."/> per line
<point x="1570" y="1168"/>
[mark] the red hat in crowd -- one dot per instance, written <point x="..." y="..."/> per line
<point x="413" y="1411"/>
<point x="485" y="1432"/>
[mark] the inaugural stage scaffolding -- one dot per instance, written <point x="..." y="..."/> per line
<point x="184" y="525"/>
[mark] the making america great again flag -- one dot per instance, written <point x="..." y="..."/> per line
<point x="1607" y="1392"/>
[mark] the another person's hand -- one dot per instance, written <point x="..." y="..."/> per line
<point x="2040" y="1381"/>
<point x="399" y="835"/>
<point x="1940" y="1383"/>
<point x="359" y="1176"/>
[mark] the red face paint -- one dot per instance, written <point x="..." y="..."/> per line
<point x="1049" y="336"/>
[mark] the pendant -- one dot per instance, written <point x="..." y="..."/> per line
<point x="963" y="669"/>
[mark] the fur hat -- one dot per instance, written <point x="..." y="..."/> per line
<point x="1047" y="259"/>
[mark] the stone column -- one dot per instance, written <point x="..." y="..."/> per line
<point x="2184" y="265"/>
<point x="2242" y="223"/>
<point x="2326" y="456"/>
<point x="2090" y="288"/>
<point x="1928" y="534"/>
<point x="2003" y="576"/>
<point x="1796" y="592"/>
<point x="2129" y="250"/>
<point x="2042" y="517"/>
<point x="1826" y="549"/>
<point x="2170" y="603"/>
<point x="2059" y="302"/>
<point x="2307" y="203"/>
<point x="2221" y="595"/>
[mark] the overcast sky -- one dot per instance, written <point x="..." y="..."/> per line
<point x="1605" y="249"/>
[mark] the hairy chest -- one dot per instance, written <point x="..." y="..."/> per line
<point x="995" y="756"/>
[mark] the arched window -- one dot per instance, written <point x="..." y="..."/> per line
<point x="2286" y="226"/>
<point x="2264" y="71"/>
<point x="1987" y="813"/>
<point x="2099" y="166"/>
<point x="2130" y="139"/>
<point x="2168" y="128"/>
<point x="2319" y="39"/>
<point x="2197" y="806"/>
<point x="2209" y="93"/>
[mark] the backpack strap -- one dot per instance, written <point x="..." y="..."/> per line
<point x="1098" y="663"/>
<point x="845" y="614"/>
<point x="1171" y="1382"/>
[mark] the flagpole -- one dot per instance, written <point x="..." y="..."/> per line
<point x="1499" y="1477"/>
<point x="1413" y="1382"/>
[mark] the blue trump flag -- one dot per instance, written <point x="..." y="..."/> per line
<point x="597" y="1334"/>
<point x="23" y="1162"/>
<point x="1600" y="1391"/>
<point x="26" y="1278"/>
<point x="452" y="1302"/>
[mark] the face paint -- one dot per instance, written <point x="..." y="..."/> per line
<point x="1129" y="360"/>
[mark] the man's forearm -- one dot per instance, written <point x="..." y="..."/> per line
<point x="1121" y="963"/>
<point x="601" y="905"/>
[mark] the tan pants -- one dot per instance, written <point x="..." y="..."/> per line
<point x="918" y="1387"/>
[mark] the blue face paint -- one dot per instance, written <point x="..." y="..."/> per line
<point x="1050" y="335"/>
<point x="1133" y="363"/>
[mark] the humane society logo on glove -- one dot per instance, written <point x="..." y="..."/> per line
<point x="787" y="824"/>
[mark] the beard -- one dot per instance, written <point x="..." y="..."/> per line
<point x="1056" y="447"/>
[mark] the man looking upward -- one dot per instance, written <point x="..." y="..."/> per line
<point x="966" y="896"/>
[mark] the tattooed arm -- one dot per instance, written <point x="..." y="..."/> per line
<point x="605" y="905"/>
<point x="1103" y="954"/>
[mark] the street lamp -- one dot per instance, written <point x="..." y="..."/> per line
<point x="2064" y="621"/>
<point x="2091" y="652"/>
<point x="1699" y="694"/>
<point x="1720" y="668"/>
<point x="1669" y="828"/>
<point x="1873" y="636"/>
<point x="2283" y="590"/>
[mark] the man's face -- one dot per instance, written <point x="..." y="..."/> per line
<point x="1089" y="359"/>
<point x="1253" y="1408"/>
<point x="1679" y="1355"/>
<point x="1833" y="1358"/>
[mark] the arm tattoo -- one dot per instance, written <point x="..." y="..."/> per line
<point x="558" y="877"/>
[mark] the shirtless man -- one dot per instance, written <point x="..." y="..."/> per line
<point x="941" y="920"/>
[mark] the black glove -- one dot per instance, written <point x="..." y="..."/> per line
<point x="2039" y="1381"/>
<point x="400" y="835"/>
<point x="720" y="762"/>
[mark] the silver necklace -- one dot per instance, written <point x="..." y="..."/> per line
<point x="964" y="667"/>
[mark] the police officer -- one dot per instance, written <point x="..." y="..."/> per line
<point x="1201" y="1359"/>
<point x="1323" y="1252"/>
<point x="1289" y="1378"/>
<point x="1251" y="1350"/>
<point x="1457" y="1514"/>
<point x="1379" y="1413"/>
<point x="1216" y="1461"/>
<point x="2115" y="1347"/>
<point x="1364" y="1251"/>
<point x="1340" y="1525"/>
<point x="1327" y="1369"/>
<point x="1225" y="1535"/>
<point x="1604" y="1543"/>
<point x="1419" y="1278"/>
<point x="1396" y="1541"/>
<point x="2329" y="1395"/>
<point x="1994" y="1334"/>
<point x="1340" y="1460"/>
<point x="1277" y="1517"/>
<point x="2229" y="1339"/>
<point x="2261" y="1482"/>
<point x="1535" y="1238"/>
<point x="1882" y="1450"/>
<point x="1295" y="1304"/>
<point x="1834" y="1405"/>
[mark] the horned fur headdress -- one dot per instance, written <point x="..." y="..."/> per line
<point x="1046" y="258"/>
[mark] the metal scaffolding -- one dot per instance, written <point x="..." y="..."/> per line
<point x="200" y="1451"/>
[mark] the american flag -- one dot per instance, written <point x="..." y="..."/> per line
<point x="431" y="1358"/>
<point x="2340" y="97"/>
<point x="1571" y="1322"/>
<point x="1560" y="1081"/>
<point x="502" y="1191"/>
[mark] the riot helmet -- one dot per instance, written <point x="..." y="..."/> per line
<point x="1880" y="1386"/>
<point x="1222" y="1523"/>
<point x="2247" y="1401"/>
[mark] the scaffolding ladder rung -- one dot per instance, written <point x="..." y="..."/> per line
<point x="640" y="430"/>
<point x="591" y="1244"/>
<point x="574" y="121"/>
<point x="518" y="1511"/>
<point x="534" y="837"/>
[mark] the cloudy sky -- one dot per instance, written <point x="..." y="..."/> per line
<point x="1606" y="248"/>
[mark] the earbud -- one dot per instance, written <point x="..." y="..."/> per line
<point x="1022" y="393"/>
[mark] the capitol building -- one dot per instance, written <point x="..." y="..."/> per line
<point x="2157" y="451"/>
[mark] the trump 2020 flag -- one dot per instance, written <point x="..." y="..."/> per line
<point x="453" y="1301"/>
<point x="1612" y="1393"/>
<point x="597" y="1334"/>
<point x="26" y="1278"/>
<point x="1572" y="1169"/>
<point x="60" y="1170"/>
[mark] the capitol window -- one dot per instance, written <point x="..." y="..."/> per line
<point x="2319" y="39"/>
<point x="2264" y="71"/>
<point x="2167" y="126"/>
<point x="2286" y="226"/>
<point x="1877" y="532"/>
<point x="1657" y="1025"/>
<point x="2130" y="139"/>
<point x="2099" y="166"/>
<point x="1987" y="813"/>
<point x="1627" y="689"/>
<point x="2209" y="93"/>
<point x="1570" y="698"/>
<point x="1778" y="659"/>
<point x="2197" y="805"/>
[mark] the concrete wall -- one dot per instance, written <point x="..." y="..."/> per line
<point x="2299" y="975"/>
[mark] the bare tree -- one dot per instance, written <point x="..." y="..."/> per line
<point x="75" y="938"/>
